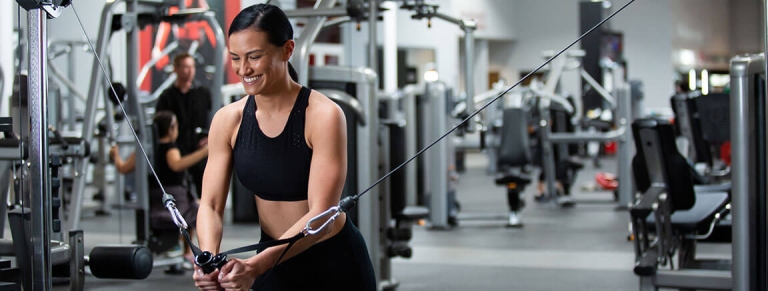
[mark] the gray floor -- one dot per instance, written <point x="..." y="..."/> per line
<point x="583" y="248"/>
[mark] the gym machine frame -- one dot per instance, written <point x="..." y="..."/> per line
<point x="37" y="272"/>
<point x="130" y="22"/>
<point x="748" y="169"/>
<point x="621" y="133"/>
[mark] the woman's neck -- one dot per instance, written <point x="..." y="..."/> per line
<point x="280" y="97"/>
<point x="166" y="139"/>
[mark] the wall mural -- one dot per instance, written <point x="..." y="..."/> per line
<point x="155" y="38"/>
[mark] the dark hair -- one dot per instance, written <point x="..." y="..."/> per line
<point x="179" y="58"/>
<point x="163" y="120"/>
<point x="269" y="19"/>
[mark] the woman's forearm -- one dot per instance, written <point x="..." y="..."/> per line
<point x="209" y="229"/>
<point x="266" y="259"/>
<point x="189" y="160"/>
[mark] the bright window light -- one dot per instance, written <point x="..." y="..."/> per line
<point x="704" y="82"/>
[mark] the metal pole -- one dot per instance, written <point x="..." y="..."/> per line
<point x="135" y="108"/>
<point x="743" y="172"/>
<point x="626" y="187"/>
<point x="438" y="164"/>
<point x="548" y="158"/>
<point x="71" y="73"/>
<point x="308" y="12"/>
<point x="469" y="63"/>
<point x="218" y="59"/>
<point x="38" y="148"/>
<point x="373" y="40"/>
<point x="385" y="190"/>
<point x="759" y="279"/>
<point x="305" y="40"/>
<point x="411" y="130"/>
<point x="367" y="155"/>
<point x="76" y="204"/>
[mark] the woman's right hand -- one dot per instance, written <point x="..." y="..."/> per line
<point x="206" y="281"/>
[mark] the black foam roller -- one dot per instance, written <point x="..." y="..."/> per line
<point x="120" y="262"/>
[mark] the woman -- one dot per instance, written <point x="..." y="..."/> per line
<point x="170" y="166"/>
<point x="288" y="144"/>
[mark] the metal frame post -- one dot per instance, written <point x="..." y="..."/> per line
<point x="385" y="190"/>
<point x="367" y="154"/>
<point x="38" y="148"/>
<point x="76" y="203"/>
<point x="71" y="73"/>
<point x="438" y="157"/>
<point x="469" y="26"/>
<point x="373" y="39"/>
<point x="135" y="108"/>
<point x="411" y="136"/>
<point x="218" y="58"/>
<point x="548" y="157"/>
<point x="744" y="172"/>
<point x="305" y="40"/>
<point x="625" y="146"/>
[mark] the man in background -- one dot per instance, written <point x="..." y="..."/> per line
<point x="192" y="105"/>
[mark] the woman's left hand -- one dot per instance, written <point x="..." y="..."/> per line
<point x="237" y="275"/>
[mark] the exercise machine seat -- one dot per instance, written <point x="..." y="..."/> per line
<point x="724" y="187"/>
<point x="699" y="218"/>
<point x="513" y="175"/>
<point x="514" y="149"/>
<point x="658" y="162"/>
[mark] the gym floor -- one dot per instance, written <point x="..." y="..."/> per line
<point x="581" y="248"/>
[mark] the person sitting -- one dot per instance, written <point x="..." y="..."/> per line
<point x="170" y="168"/>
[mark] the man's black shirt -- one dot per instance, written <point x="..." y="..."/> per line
<point x="192" y="110"/>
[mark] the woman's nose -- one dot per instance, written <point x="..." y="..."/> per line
<point x="243" y="69"/>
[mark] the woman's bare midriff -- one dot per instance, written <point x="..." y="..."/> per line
<point x="276" y="217"/>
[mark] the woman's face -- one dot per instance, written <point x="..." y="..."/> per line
<point x="257" y="62"/>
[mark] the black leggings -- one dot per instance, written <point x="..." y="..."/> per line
<point x="338" y="263"/>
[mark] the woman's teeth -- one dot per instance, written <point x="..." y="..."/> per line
<point x="251" y="79"/>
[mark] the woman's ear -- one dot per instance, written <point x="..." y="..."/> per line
<point x="288" y="49"/>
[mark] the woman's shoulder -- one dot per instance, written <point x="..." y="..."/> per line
<point x="320" y="106"/>
<point x="323" y="111"/>
<point x="231" y="113"/>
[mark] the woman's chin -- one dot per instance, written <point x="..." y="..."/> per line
<point x="251" y="90"/>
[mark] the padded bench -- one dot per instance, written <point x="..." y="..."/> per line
<point x="699" y="218"/>
<point x="689" y="214"/>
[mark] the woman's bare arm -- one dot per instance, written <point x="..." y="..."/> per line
<point x="123" y="167"/>
<point x="216" y="179"/>
<point x="179" y="163"/>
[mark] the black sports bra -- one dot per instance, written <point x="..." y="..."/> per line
<point x="274" y="168"/>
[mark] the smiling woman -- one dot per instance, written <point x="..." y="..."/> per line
<point x="288" y="144"/>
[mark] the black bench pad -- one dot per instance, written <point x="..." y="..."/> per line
<point x="700" y="216"/>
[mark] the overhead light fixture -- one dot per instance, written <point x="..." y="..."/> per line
<point x="687" y="57"/>
<point x="692" y="79"/>
<point x="431" y="76"/>
<point x="704" y="82"/>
